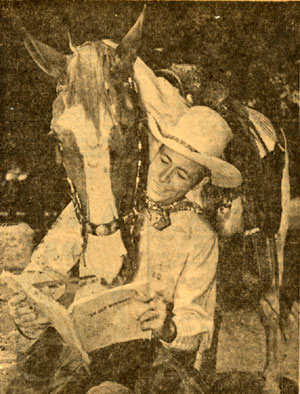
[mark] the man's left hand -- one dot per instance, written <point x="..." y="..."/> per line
<point x="156" y="318"/>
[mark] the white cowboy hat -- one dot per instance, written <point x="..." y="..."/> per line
<point x="198" y="133"/>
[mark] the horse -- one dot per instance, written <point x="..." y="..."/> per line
<point x="96" y="122"/>
<point x="98" y="127"/>
<point x="260" y="212"/>
<point x="265" y="213"/>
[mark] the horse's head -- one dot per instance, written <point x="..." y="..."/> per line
<point x="95" y="120"/>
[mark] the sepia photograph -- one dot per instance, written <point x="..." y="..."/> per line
<point x="149" y="197"/>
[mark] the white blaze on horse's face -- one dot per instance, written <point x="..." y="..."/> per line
<point x="91" y="105"/>
<point x="84" y="134"/>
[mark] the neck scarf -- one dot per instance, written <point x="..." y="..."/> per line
<point x="164" y="211"/>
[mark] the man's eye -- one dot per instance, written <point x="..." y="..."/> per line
<point x="163" y="160"/>
<point x="182" y="176"/>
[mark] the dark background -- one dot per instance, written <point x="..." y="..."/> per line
<point x="251" y="47"/>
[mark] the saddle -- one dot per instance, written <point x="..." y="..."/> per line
<point x="261" y="166"/>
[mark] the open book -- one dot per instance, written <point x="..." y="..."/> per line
<point x="99" y="319"/>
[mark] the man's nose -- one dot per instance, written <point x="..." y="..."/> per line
<point x="165" y="175"/>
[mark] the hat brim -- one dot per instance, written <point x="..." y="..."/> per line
<point x="223" y="173"/>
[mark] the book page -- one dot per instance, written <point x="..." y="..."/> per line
<point x="108" y="317"/>
<point x="56" y="313"/>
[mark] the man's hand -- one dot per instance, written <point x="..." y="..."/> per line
<point x="26" y="316"/>
<point x="230" y="218"/>
<point x="155" y="316"/>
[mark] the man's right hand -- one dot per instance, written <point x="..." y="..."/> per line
<point x="26" y="316"/>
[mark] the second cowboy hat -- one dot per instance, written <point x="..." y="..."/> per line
<point x="198" y="133"/>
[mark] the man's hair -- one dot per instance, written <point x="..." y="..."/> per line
<point x="204" y="172"/>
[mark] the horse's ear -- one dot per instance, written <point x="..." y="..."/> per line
<point x="48" y="59"/>
<point x="131" y="42"/>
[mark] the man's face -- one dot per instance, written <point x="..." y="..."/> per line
<point x="171" y="176"/>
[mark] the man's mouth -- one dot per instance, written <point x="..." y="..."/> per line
<point x="159" y="189"/>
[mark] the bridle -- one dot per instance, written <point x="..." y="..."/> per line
<point x="129" y="219"/>
<point x="106" y="229"/>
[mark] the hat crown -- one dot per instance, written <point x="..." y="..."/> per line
<point x="200" y="129"/>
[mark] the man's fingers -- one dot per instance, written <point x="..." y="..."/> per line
<point x="152" y="309"/>
<point x="17" y="299"/>
<point x="24" y="310"/>
<point x="27" y="320"/>
<point x="13" y="310"/>
<point x="144" y="297"/>
<point x="154" y="325"/>
<point x="151" y="295"/>
<point x="149" y="315"/>
<point x="140" y="308"/>
<point x="21" y="308"/>
<point x="42" y="321"/>
<point x="158" y="303"/>
<point x="32" y="323"/>
<point x="30" y="317"/>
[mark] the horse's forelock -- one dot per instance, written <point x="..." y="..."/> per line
<point x="85" y="80"/>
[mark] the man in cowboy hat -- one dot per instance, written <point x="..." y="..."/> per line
<point x="178" y="247"/>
